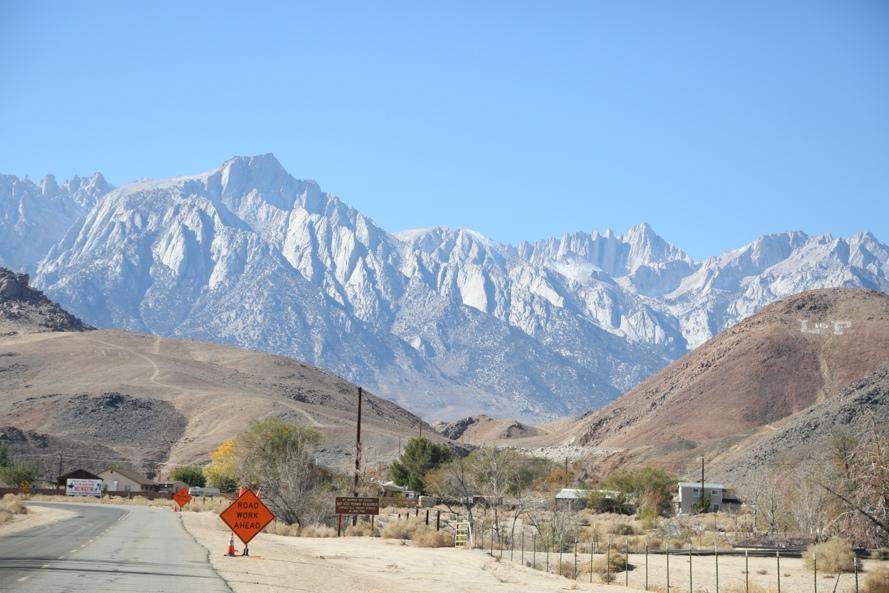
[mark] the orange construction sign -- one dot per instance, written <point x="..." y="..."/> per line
<point x="182" y="497"/>
<point x="247" y="516"/>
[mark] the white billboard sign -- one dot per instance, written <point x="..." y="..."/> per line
<point x="77" y="487"/>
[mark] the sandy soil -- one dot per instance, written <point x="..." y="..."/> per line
<point x="35" y="517"/>
<point x="367" y="565"/>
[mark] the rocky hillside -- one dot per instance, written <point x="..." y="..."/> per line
<point x="481" y="430"/>
<point x="863" y="406"/>
<point x="798" y="352"/>
<point x="98" y="397"/>
<point x="444" y="321"/>
<point x="24" y="309"/>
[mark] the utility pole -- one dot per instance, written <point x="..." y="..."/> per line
<point x="703" y="510"/>
<point x="566" y="472"/>
<point x="59" y="475"/>
<point x="357" y="451"/>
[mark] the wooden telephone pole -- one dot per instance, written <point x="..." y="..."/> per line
<point x="357" y="451"/>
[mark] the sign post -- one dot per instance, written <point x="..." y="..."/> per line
<point x="355" y="505"/>
<point x="182" y="497"/>
<point x="246" y="517"/>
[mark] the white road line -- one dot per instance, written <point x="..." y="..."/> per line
<point x="44" y="566"/>
<point x="22" y="579"/>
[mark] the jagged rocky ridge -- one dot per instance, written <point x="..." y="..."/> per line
<point x="443" y="321"/>
<point x="23" y="308"/>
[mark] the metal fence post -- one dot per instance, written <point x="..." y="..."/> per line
<point x="646" y="564"/>
<point x="668" y="569"/>
<point x="549" y="544"/>
<point x="716" y="553"/>
<point x="690" y="574"/>
<point x="608" y="561"/>
<point x="560" y="555"/>
<point x="575" y="557"/>
<point x="746" y="570"/>
<point x="534" y="549"/>
<point x="815" y="568"/>
<point x="492" y="541"/>
<point x="523" y="545"/>
<point x="778" y="560"/>
<point x="626" y="563"/>
<point x="592" y="553"/>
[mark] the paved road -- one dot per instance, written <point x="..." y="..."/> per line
<point x="107" y="548"/>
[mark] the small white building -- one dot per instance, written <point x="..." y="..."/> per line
<point x="721" y="498"/>
<point x="126" y="480"/>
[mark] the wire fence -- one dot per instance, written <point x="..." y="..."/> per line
<point x="629" y="561"/>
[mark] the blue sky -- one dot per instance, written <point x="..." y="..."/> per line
<point x="713" y="121"/>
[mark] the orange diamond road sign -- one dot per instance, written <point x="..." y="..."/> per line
<point x="182" y="497"/>
<point x="247" y="516"/>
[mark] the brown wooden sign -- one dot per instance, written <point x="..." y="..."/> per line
<point x="357" y="505"/>
<point x="247" y="516"/>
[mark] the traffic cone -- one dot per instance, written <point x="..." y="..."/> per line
<point x="231" y="545"/>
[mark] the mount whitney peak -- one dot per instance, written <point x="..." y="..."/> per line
<point x="443" y="321"/>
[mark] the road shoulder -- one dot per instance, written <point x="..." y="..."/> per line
<point x="37" y="516"/>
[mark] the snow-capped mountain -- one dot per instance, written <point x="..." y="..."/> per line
<point x="34" y="217"/>
<point x="443" y="321"/>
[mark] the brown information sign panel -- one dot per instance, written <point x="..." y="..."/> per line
<point x="247" y="516"/>
<point x="357" y="505"/>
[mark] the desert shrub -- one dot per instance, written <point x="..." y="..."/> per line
<point x="14" y="504"/>
<point x="881" y="554"/>
<point x="317" y="531"/>
<point x="622" y="529"/>
<point x="5" y="516"/>
<point x="279" y="528"/>
<point x="567" y="569"/>
<point x="877" y="580"/>
<point x="429" y="538"/>
<point x="402" y="529"/>
<point x="835" y="555"/>
<point x="362" y="529"/>
<point x="616" y="562"/>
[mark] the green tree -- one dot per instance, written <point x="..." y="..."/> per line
<point x="420" y="456"/>
<point x="13" y="474"/>
<point x="278" y="458"/>
<point x="650" y="488"/>
<point x="4" y="456"/>
<point x="191" y="475"/>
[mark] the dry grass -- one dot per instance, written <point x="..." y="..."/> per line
<point x="429" y="538"/>
<point x="616" y="562"/>
<point x="5" y="516"/>
<point x="317" y="531"/>
<point x="741" y="588"/>
<point x="362" y="529"/>
<point x="402" y="528"/>
<point x="881" y="554"/>
<point x="13" y="504"/>
<point x="835" y="555"/>
<point x="877" y="580"/>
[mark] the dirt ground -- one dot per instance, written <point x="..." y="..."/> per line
<point x="368" y="565"/>
<point x="35" y="517"/>
<point x="374" y="565"/>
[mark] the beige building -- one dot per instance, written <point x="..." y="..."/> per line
<point x="126" y="480"/>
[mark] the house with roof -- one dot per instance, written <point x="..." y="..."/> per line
<point x="77" y="474"/>
<point x="122" y="479"/>
<point x="690" y="493"/>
